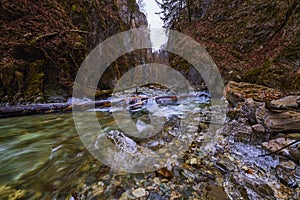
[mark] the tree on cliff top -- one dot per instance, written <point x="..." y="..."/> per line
<point x="172" y="9"/>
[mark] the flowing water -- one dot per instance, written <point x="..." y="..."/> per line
<point x="42" y="157"/>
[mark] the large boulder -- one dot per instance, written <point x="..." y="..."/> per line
<point x="237" y="92"/>
<point x="289" y="102"/>
<point x="268" y="107"/>
<point x="282" y="121"/>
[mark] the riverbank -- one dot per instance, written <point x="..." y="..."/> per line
<point x="250" y="157"/>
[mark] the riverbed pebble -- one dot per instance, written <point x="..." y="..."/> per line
<point x="288" y="165"/>
<point x="140" y="192"/>
<point x="297" y="172"/>
<point x="258" y="129"/>
<point x="193" y="161"/>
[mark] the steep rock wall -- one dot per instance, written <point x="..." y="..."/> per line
<point x="252" y="41"/>
<point x="43" y="44"/>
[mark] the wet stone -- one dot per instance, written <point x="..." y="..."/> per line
<point x="223" y="169"/>
<point x="258" y="129"/>
<point x="249" y="108"/>
<point x="216" y="192"/>
<point x="295" y="155"/>
<point x="156" y="181"/>
<point x="175" y="195"/>
<point x="250" y="188"/>
<point x="297" y="172"/>
<point x="118" y="192"/>
<point x="165" y="173"/>
<point x="156" y="196"/>
<point x="187" y="193"/>
<point x="282" y="121"/>
<point x="140" y="192"/>
<point x="122" y="142"/>
<point x="235" y="189"/>
<point x="193" y="161"/>
<point x="289" y="102"/>
<point x="288" y="165"/>
<point x="286" y="176"/>
<point x="164" y="188"/>
<point x="247" y="170"/>
<point x="189" y="175"/>
<point x="168" y="100"/>
<point x="124" y="196"/>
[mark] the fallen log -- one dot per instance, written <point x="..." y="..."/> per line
<point x="90" y="105"/>
<point x="11" y="111"/>
<point x="31" y="109"/>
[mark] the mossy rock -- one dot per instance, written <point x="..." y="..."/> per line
<point x="34" y="82"/>
<point x="274" y="75"/>
<point x="12" y="80"/>
<point x="7" y="192"/>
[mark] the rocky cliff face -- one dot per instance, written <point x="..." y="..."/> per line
<point x="252" y="41"/>
<point x="43" y="43"/>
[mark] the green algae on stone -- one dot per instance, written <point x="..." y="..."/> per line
<point x="35" y="82"/>
<point x="274" y="75"/>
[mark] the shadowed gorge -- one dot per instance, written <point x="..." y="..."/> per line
<point x="97" y="101"/>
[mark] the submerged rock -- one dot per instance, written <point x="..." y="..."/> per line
<point x="286" y="176"/>
<point x="123" y="142"/>
<point x="164" y="172"/>
<point x="217" y="192"/>
<point x="297" y="172"/>
<point x="7" y="192"/>
<point x="166" y="100"/>
<point x="239" y="185"/>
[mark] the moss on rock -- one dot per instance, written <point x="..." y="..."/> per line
<point x="43" y="44"/>
<point x="254" y="41"/>
<point x="35" y="82"/>
<point x="274" y="75"/>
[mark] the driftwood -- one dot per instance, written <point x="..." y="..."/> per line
<point x="277" y="151"/>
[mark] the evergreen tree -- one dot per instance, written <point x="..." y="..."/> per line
<point x="171" y="10"/>
<point x="189" y="9"/>
<point x="131" y="5"/>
